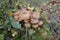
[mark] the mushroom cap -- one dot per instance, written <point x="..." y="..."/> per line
<point x="36" y="15"/>
<point x="22" y="14"/>
<point x="27" y="25"/>
<point x="34" y="21"/>
<point x="35" y="26"/>
<point x="40" y="23"/>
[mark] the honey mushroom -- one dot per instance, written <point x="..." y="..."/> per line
<point x="16" y="14"/>
<point x="40" y="23"/>
<point x="26" y="21"/>
<point x="35" y="26"/>
<point x="35" y="15"/>
<point x="29" y="17"/>
<point x="27" y="25"/>
<point x="34" y="21"/>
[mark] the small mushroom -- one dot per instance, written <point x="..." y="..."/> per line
<point x="34" y="21"/>
<point x="40" y="23"/>
<point x="26" y="21"/>
<point x="27" y="25"/>
<point x="36" y="15"/>
<point x="35" y="26"/>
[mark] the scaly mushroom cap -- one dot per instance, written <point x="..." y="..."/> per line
<point x="22" y="14"/>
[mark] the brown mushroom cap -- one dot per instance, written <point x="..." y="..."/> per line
<point x="36" y="15"/>
<point x="40" y="23"/>
<point x="27" y="25"/>
<point x="22" y="14"/>
<point x="34" y="21"/>
<point x="27" y="21"/>
<point x="35" y="26"/>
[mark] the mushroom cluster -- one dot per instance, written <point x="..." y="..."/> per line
<point x="29" y="17"/>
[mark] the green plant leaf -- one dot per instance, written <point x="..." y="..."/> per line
<point x="7" y="21"/>
<point x="1" y="36"/>
<point x="11" y="19"/>
<point x="16" y="25"/>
